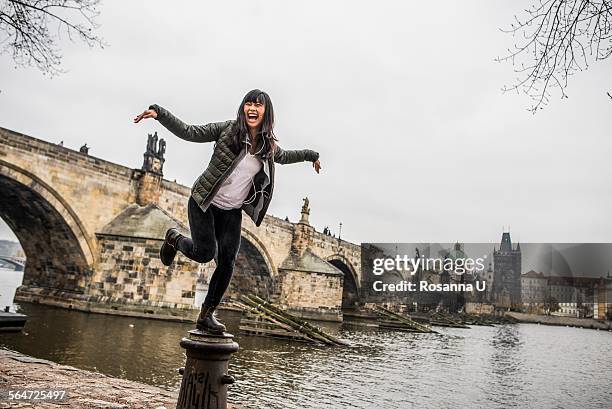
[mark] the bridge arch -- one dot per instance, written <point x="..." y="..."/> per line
<point x="261" y="248"/>
<point x="350" y="284"/>
<point x="254" y="271"/>
<point x="59" y="252"/>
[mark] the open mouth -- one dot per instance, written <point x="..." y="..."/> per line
<point x="252" y="116"/>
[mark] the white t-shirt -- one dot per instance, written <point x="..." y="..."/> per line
<point x="235" y="188"/>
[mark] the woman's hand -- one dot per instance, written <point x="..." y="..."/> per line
<point x="316" y="165"/>
<point x="149" y="113"/>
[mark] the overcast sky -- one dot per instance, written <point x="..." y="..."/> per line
<point x="401" y="99"/>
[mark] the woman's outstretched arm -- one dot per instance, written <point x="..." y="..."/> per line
<point x="293" y="156"/>
<point x="192" y="133"/>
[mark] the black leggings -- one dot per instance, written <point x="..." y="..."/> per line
<point x="214" y="229"/>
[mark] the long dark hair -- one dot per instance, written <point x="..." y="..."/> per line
<point x="240" y="130"/>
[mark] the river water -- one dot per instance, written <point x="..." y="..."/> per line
<point x="522" y="366"/>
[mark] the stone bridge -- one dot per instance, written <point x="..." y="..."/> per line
<point x="91" y="228"/>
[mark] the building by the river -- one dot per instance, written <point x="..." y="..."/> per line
<point x="579" y="297"/>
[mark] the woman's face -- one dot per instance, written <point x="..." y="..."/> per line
<point x="254" y="113"/>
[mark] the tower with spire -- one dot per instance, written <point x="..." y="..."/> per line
<point x="507" y="274"/>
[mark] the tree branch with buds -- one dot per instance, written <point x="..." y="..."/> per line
<point x="30" y="29"/>
<point x="554" y="40"/>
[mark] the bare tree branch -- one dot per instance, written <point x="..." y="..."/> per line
<point x="554" y="40"/>
<point x="26" y="29"/>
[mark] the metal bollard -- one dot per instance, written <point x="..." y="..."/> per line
<point x="205" y="377"/>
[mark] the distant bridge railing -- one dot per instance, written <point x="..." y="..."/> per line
<point x="17" y="262"/>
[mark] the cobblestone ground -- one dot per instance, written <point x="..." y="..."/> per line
<point x="84" y="389"/>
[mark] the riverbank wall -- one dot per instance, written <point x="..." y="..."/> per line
<point x="105" y="305"/>
<point x="121" y="307"/>
<point x="561" y="321"/>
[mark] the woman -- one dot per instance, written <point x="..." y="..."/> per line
<point x="240" y="176"/>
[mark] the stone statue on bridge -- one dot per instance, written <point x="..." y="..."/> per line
<point x="154" y="155"/>
<point x="162" y="149"/>
<point x="152" y="147"/>
<point x="151" y="142"/>
<point x="305" y="211"/>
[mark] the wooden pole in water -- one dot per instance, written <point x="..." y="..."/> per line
<point x="303" y="323"/>
<point x="291" y="320"/>
<point x="284" y="319"/>
<point x="405" y="320"/>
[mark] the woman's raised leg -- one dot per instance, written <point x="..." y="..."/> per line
<point x="201" y="246"/>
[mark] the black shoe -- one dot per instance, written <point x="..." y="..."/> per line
<point x="168" y="248"/>
<point x="207" y="321"/>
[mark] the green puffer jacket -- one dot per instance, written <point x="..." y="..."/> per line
<point x="224" y="161"/>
